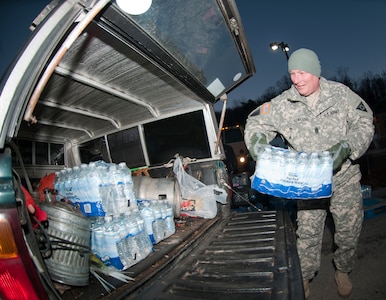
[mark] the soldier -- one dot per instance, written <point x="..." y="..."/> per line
<point x="316" y="114"/>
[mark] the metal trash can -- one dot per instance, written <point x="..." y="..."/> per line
<point x="69" y="237"/>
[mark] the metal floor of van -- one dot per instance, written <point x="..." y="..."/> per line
<point x="248" y="255"/>
<point x="245" y="259"/>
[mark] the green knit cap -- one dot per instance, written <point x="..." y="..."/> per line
<point x="304" y="60"/>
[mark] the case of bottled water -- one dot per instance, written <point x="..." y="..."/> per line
<point x="120" y="241"/>
<point x="158" y="218"/>
<point x="124" y="229"/>
<point x="98" y="188"/>
<point x="287" y="174"/>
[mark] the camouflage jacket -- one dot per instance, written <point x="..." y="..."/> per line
<point x="339" y="115"/>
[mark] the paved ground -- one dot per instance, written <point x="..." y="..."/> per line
<point x="369" y="274"/>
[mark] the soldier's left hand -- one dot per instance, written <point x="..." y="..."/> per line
<point x="340" y="152"/>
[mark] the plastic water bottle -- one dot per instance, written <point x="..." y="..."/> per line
<point x="57" y="182"/>
<point x="263" y="161"/>
<point x="74" y="184"/>
<point x="302" y="167"/>
<point x="276" y="167"/>
<point x="83" y="186"/>
<point x="133" y="242"/>
<point x="281" y="164"/>
<point x="135" y="214"/>
<point x="76" y="178"/>
<point x="170" y="227"/>
<point x="291" y="162"/>
<point x="84" y="192"/>
<point x="326" y="167"/>
<point x="111" y="255"/>
<point x="97" y="241"/>
<point x="158" y="224"/>
<point x="94" y="181"/>
<point x="133" y="199"/>
<point x="60" y="185"/>
<point x="120" y="204"/>
<point x="148" y="217"/>
<point x="103" y="188"/>
<point x="121" y="241"/>
<point x="145" y="242"/>
<point x="314" y="170"/>
<point x="128" y="184"/>
<point x="291" y="178"/>
<point x="68" y="186"/>
<point x="162" y="206"/>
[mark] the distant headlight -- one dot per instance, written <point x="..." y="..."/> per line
<point x="242" y="159"/>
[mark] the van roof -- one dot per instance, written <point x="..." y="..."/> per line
<point x="121" y="70"/>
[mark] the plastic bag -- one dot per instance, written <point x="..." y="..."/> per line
<point x="198" y="199"/>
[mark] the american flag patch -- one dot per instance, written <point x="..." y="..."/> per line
<point x="265" y="108"/>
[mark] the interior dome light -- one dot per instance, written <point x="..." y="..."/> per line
<point x="134" y="7"/>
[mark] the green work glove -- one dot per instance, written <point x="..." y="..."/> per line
<point x="258" y="140"/>
<point x="340" y="153"/>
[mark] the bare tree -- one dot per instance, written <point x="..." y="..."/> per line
<point x="370" y="87"/>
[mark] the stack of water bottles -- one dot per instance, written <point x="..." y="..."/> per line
<point x="158" y="216"/>
<point x="98" y="188"/>
<point x="122" y="232"/>
<point x="124" y="240"/>
<point x="120" y="241"/>
<point x="293" y="175"/>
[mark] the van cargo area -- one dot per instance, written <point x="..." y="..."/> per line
<point x="240" y="254"/>
<point x="109" y="140"/>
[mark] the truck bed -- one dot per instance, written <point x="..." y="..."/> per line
<point x="240" y="254"/>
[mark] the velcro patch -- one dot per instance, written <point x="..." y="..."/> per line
<point x="265" y="108"/>
<point x="361" y="107"/>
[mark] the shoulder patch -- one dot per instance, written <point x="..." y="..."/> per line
<point x="265" y="108"/>
<point x="361" y="107"/>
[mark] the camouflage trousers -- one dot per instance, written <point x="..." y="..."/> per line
<point x="346" y="208"/>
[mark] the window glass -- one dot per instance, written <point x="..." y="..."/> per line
<point x="56" y="154"/>
<point x="93" y="151"/>
<point x="183" y="134"/>
<point x="25" y="148"/>
<point x="197" y="35"/>
<point x="125" y="146"/>
<point x="41" y="153"/>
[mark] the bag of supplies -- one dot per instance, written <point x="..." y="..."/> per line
<point x="198" y="199"/>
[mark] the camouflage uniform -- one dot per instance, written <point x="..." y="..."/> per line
<point x="338" y="115"/>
